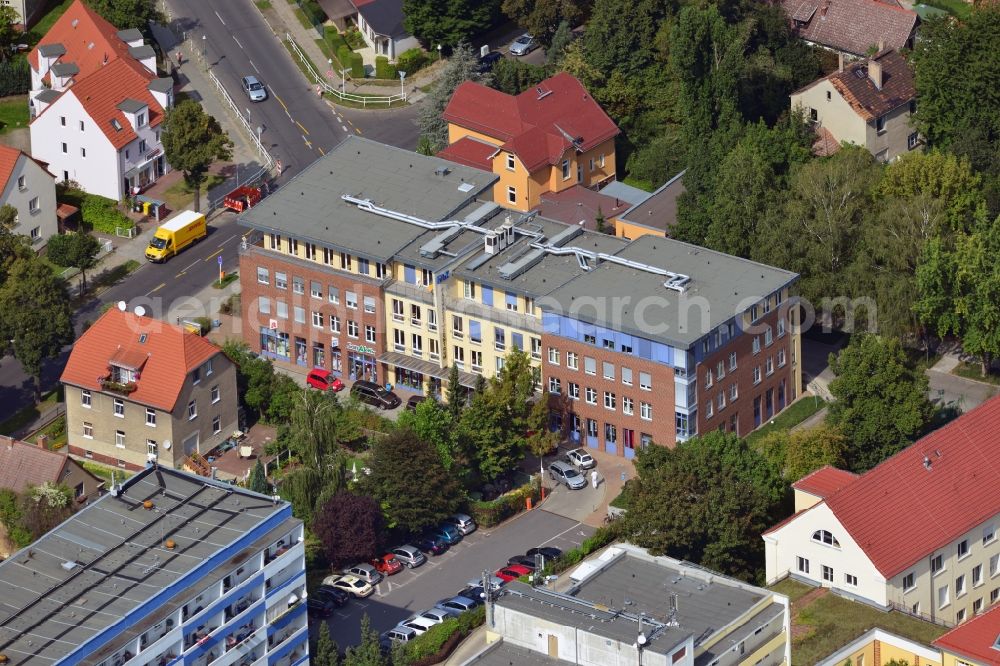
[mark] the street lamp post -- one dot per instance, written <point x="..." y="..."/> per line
<point x="204" y="47"/>
<point x="439" y="51"/>
<point x="402" y="89"/>
<point x="343" y="80"/>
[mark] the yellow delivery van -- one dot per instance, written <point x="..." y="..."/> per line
<point x="186" y="228"/>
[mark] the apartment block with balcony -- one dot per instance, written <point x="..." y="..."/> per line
<point x="139" y="390"/>
<point x="918" y="533"/>
<point x="625" y="606"/>
<point x="323" y="263"/>
<point x="167" y="568"/>
<point x="662" y="340"/>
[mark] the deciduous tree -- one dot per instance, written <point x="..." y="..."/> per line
<point x="432" y="422"/>
<point x="313" y="432"/>
<point x="463" y="65"/>
<point x="12" y="246"/>
<point x="707" y="501"/>
<point x="192" y="141"/>
<point x="543" y="18"/>
<point x="448" y="22"/>
<point x="350" y="527"/>
<point x="810" y="449"/>
<point x="77" y="250"/>
<point x="10" y="33"/>
<point x="881" y="403"/>
<point x="410" y="482"/>
<point x="35" y="315"/>
<point x="126" y="13"/>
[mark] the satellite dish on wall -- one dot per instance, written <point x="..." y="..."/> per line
<point x="122" y="305"/>
<point x="140" y="311"/>
<point x="166" y="444"/>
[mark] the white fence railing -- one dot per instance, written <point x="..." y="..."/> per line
<point x="319" y="80"/>
<point x="107" y="247"/>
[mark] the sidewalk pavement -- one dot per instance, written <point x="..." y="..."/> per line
<point x="947" y="363"/>
<point x="281" y="19"/>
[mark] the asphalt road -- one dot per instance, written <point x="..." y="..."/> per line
<point x="154" y="286"/>
<point x="412" y="591"/>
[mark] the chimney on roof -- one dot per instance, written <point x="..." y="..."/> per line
<point x="824" y="8"/>
<point x="42" y="441"/>
<point x="840" y="61"/>
<point x="875" y="72"/>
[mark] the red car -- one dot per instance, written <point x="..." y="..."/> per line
<point x="387" y="564"/>
<point x="321" y="379"/>
<point x="513" y="572"/>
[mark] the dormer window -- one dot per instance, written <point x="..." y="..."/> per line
<point x="140" y="119"/>
<point x="122" y="375"/>
<point x="825" y="537"/>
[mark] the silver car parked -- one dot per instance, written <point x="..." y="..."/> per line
<point x="409" y="556"/>
<point x="523" y="45"/>
<point x="461" y="522"/>
<point x="565" y="473"/>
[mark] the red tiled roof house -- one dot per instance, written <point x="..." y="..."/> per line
<point x="854" y="28"/>
<point x="867" y="104"/>
<point x="97" y="104"/>
<point x="138" y="389"/>
<point x="28" y="185"/>
<point x="23" y="464"/>
<point x="549" y="138"/>
<point x="918" y="533"/>
<point x="975" y="643"/>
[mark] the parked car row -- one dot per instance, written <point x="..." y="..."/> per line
<point x="471" y="596"/>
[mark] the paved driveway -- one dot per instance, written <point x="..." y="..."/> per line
<point x="411" y="591"/>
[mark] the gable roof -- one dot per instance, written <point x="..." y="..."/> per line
<point x="471" y="152"/>
<point x="824" y="481"/>
<point x="88" y="40"/>
<point x="170" y="352"/>
<point x="869" y="101"/>
<point x="975" y="638"/>
<point x="23" y="464"/>
<point x="384" y="16"/>
<point x="101" y="94"/>
<point x="659" y="210"/>
<point x="580" y="204"/>
<point x="8" y="162"/>
<point x="852" y="26"/>
<point x="538" y="125"/>
<point x="883" y="508"/>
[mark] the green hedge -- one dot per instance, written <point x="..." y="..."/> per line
<point x="436" y="643"/>
<point x="493" y="513"/>
<point x="357" y="66"/>
<point x="601" y="538"/>
<point x="102" y="214"/>
<point x="344" y="56"/>
<point x="15" y="77"/>
<point x="383" y="70"/>
<point x="412" y="60"/>
<point x="334" y="40"/>
<point x="313" y="12"/>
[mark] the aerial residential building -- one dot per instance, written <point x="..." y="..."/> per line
<point x="655" y="215"/>
<point x="918" y="533"/>
<point x="168" y="568"/>
<point x="27" y="185"/>
<point x="315" y="278"/>
<point x="549" y="138"/>
<point x="853" y="28"/>
<point x="628" y="607"/>
<point x="97" y="104"/>
<point x="139" y="390"/>
<point x="879" y="647"/>
<point x="662" y="340"/>
<point x="975" y="643"/>
<point x="23" y="465"/>
<point x="868" y="103"/>
<point x="28" y="11"/>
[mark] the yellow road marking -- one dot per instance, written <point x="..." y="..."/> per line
<point x="281" y="102"/>
<point x="211" y="256"/>
<point x="321" y="151"/>
<point x="180" y="274"/>
<point x="357" y="130"/>
<point x="162" y="285"/>
<point x="301" y="127"/>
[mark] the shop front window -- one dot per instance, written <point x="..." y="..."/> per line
<point x="274" y="343"/>
<point x="319" y="355"/>
<point x="300" y="351"/>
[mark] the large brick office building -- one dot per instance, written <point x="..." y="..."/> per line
<point x="381" y="264"/>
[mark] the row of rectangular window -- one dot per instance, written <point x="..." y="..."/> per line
<point x="417" y="346"/>
<point x="311" y="252"/>
<point x="318" y="319"/>
<point x="88" y="431"/>
<point x="416" y="314"/>
<point x="610" y="399"/>
<point x="315" y="290"/>
<point x="86" y="400"/>
<point x="607" y="369"/>
<point x="486" y="296"/>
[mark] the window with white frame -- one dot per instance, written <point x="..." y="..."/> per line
<point x="298" y="285"/>
<point x="944" y="597"/>
<point x="85" y="398"/>
<point x="317" y="319"/>
<point x="574" y="391"/>
<point x="645" y="411"/>
<point x="908" y="582"/>
<point x="963" y="548"/>
<point x="469" y="289"/>
<point x="756" y="375"/>
<point x="756" y="344"/>
<point x="827" y="574"/>
<point x="802" y="564"/>
<point x="851" y="580"/>
<point x="88" y="430"/>
<point x="591" y="396"/>
<point x="299" y="314"/>
<point x="825" y="537"/>
<point x="626" y="376"/>
<point x="610" y="402"/>
<point x="977" y="575"/>
<point x="280" y="280"/>
<point x="609" y="370"/>
<point x="397" y="310"/>
<point x="781" y="328"/>
<point x="399" y="340"/>
<point x="769" y="366"/>
<point x="960" y="585"/>
<point x="781" y="358"/>
<point x="370" y="335"/>
<point x="333" y="294"/>
<point x="370" y="304"/>
<point x="151" y="447"/>
<point x="645" y="381"/>
<point x="351" y="300"/>
<point x="721" y="400"/>
<point x="119" y="408"/>
<point x="734" y="393"/>
<point x="708" y="379"/>
<point x="628" y="405"/>
<point x="263" y="275"/>
<point x="216" y="395"/>
<point x="553" y="356"/>
<point x="334" y="324"/>
<point x="732" y="361"/>
<point x="216" y="425"/>
<point x="151" y="417"/>
<point x="572" y="360"/>
<point x="476" y="360"/>
<point x="554" y="385"/>
<point x="989" y="534"/>
<point x="192" y="410"/>
<point x="937" y="564"/>
<point x="120" y="439"/>
<point x="315" y="289"/>
<point x="589" y="365"/>
<point x="720" y="370"/>
<point x="281" y="309"/>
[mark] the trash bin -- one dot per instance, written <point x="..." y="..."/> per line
<point x="146" y="206"/>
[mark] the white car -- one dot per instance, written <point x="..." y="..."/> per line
<point x="254" y="89"/>
<point x="523" y="45"/>
<point x="351" y="584"/>
<point x="437" y="615"/>
<point x="581" y="459"/>
<point x="496" y="582"/>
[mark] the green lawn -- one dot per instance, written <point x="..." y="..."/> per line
<point x="795" y="414"/>
<point x="13" y="113"/>
<point x="957" y="8"/>
<point x="641" y="184"/>
<point x="971" y="371"/>
<point x="263" y="4"/>
<point x="104" y="471"/>
<point x="792" y="589"/>
<point x="833" y="621"/>
<point x="39" y="29"/>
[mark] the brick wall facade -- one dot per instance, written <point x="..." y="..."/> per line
<point x="660" y="428"/>
<point x="322" y="344"/>
<point x="738" y="415"/>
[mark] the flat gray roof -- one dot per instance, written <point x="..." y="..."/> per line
<point x="503" y="653"/>
<point x="141" y="52"/>
<point x="635" y="301"/>
<point x="310" y="207"/>
<point x="51" y="50"/>
<point x="617" y="589"/>
<point x="163" y="84"/>
<point x="129" y="105"/>
<point x="659" y="209"/>
<point x="48" y="96"/>
<point x="129" y="34"/>
<point x="108" y="559"/>
<point x="632" y="195"/>
<point x="65" y="69"/>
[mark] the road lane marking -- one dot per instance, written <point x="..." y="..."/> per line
<point x="193" y="263"/>
<point x="180" y="274"/>
<point x="231" y="238"/>
<point x="357" y="130"/>
<point x="321" y="151"/>
<point x="343" y="128"/>
<point x="254" y="67"/>
<point x="307" y="142"/>
<point x="154" y="289"/>
<point x="282" y="103"/>
<point x="238" y="43"/>
<point x="302" y="127"/>
<point x="220" y="18"/>
<point x="569" y="529"/>
<point x="209" y="257"/>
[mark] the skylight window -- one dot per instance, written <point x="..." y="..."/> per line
<point x="117" y="125"/>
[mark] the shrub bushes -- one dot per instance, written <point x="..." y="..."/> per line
<point x="436" y="643"/>
<point x="101" y="214"/>
<point x="15" y="77"/>
<point x="334" y="40"/>
<point x="493" y="513"/>
<point x="357" y="66"/>
<point x="313" y="12"/>
<point x="383" y="70"/>
<point x="601" y="538"/>
<point x="412" y="60"/>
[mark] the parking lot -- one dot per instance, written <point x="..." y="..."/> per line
<point x="410" y="591"/>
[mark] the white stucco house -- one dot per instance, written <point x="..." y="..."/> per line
<point x="28" y="186"/>
<point x="97" y="104"/>
<point x="381" y="24"/>
<point x="918" y="533"/>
